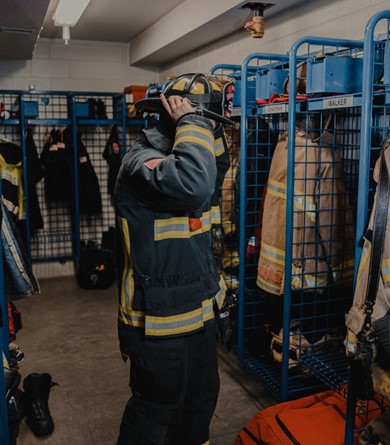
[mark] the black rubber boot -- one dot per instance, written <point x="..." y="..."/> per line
<point x="37" y="388"/>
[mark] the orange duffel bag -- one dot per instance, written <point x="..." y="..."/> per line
<point x="317" y="419"/>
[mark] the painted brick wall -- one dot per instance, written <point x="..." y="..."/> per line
<point x="79" y="66"/>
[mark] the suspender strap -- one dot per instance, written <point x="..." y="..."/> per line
<point x="378" y="231"/>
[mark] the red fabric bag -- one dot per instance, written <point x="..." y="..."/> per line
<point x="317" y="419"/>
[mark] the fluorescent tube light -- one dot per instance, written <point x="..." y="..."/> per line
<point x="68" y="12"/>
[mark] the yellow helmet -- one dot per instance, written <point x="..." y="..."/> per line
<point x="212" y="95"/>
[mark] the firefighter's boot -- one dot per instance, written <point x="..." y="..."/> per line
<point x="37" y="388"/>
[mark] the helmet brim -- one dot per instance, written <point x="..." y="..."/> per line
<point x="154" y="105"/>
<point x="150" y="105"/>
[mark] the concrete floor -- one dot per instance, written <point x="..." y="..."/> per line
<point x="71" y="334"/>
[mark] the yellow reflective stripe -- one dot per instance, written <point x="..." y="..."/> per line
<point x="127" y="285"/>
<point x="5" y="361"/>
<point x="385" y="269"/>
<point x="344" y="270"/>
<point x="220" y="295"/>
<point x="229" y="227"/>
<point x="366" y="251"/>
<point x="219" y="148"/>
<point x="175" y="324"/>
<point x="230" y="174"/>
<point x="179" y="227"/>
<point x="351" y="342"/>
<point x="131" y="318"/>
<point x="215" y="215"/>
<point x="230" y="261"/>
<point x="171" y="228"/>
<point x="298" y="278"/>
<point x="230" y="280"/>
<point x="315" y="280"/>
<point x="194" y="140"/>
<point x="197" y="135"/>
<point x="276" y="188"/>
<point x="296" y="282"/>
<point x="207" y="219"/>
<point x="179" y="324"/>
<point x="306" y="204"/>
<point x="272" y="254"/>
<point x="267" y="286"/>
<point x="301" y="202"/>
<point x="195" y="129"/>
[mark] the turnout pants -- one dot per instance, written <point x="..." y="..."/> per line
<point x="175" y="385"/>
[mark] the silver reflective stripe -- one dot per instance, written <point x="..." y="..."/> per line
<point x="219" y="148"/>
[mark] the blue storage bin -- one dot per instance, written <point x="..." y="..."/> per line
<point x="334" y="74"/>
<point x="250" y="92"/>
<point x="82" y="109"/>
<point x="269" y="82"/>
<point x="31" y="109"/>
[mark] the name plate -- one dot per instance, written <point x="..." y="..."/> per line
<point x="275" y="108"/>
<point x="338" y="102"/>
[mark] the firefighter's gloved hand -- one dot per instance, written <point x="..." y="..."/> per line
<point x="223" y="325"/>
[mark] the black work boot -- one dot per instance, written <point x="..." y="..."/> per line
<point x="37" y="388"/>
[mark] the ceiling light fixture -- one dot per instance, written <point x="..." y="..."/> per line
<point x="67" y="14"/>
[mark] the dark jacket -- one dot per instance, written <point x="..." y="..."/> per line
<point x="113" y="155"/>
<point x="35" y="173"/>
<point x="167" y="274"/>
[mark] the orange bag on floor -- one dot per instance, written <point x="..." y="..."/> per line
<point x="318" y="419"/>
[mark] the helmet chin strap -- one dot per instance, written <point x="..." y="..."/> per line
<point x="211" y="115"/>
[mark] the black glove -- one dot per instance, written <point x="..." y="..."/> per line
<point x="223" y="321"/>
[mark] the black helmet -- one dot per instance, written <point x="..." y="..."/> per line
<point x="211" y="94"/>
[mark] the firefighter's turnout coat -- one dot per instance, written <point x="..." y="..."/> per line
<point x="167" y="275"/>
<point x="356" y="317"/>
<point x="323" y="226"/>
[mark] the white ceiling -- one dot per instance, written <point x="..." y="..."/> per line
<point x="157" y="31"/>
<point x="112" y="20"/>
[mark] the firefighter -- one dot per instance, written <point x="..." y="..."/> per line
<point x="170" y="288"/>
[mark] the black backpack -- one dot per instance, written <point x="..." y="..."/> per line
<point x="96" y="268"/>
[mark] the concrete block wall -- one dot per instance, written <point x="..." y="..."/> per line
<point x="79" y="66"/>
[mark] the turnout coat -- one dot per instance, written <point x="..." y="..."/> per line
<point x="323" y="226"/>
<point x="167" y="275"/>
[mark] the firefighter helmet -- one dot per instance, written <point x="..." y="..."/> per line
<point x="212" y="95"/>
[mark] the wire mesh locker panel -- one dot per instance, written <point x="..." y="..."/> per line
<point x="375" y="126"/>
<point x="259" y="132"/>
<point x="226" y="237"/>
<point x="48" y="173"/>
<point x="100" y="142"/>
<point x="320" y="186"/>
<point x="68" y="195"/>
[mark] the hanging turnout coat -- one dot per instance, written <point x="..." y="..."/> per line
<point x="323" y="234"/>
<point x="356" y="316"/>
